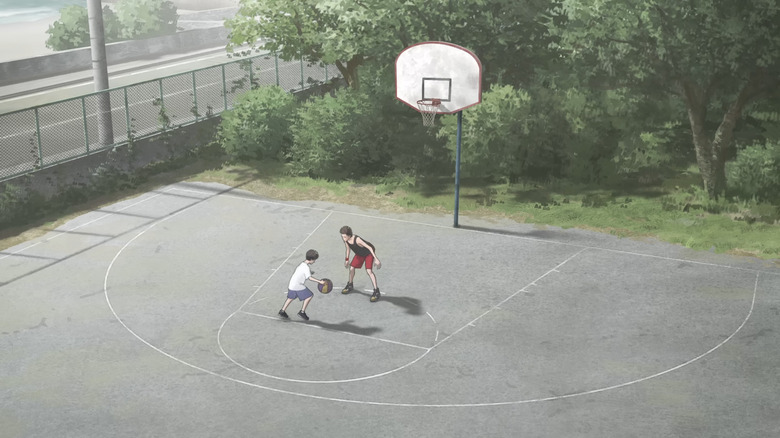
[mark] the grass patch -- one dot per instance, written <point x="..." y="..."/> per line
<point x="671" y="211"/>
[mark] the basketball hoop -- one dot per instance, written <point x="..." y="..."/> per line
<point x="428" y="109"/>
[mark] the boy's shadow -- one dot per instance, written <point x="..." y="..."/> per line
<point x="413" y="306"/>
<point x="346" y="326"/>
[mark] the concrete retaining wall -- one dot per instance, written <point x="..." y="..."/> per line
<point x="79" y="172"/>
<point x="75" y="60"/>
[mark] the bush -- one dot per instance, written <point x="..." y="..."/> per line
<point x="340" y="137"/>
<point x="259" y="125"/>
<point x="71" y="31"/>
<point x="146" y="18"/>
<point x="495" y="132"/>
<point x="755" y="173"/>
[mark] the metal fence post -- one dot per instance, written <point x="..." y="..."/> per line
<point x="302" y="74"/>
<point x="251" y="75"/>
<point x="162" y="98"/>
<point x="127" y="115"/>
<point x="276" y="67"/>
<point x="38" y="134"/>
<point x="195" y="96"/>
<point x="84" y="119"/>
<point x="224" y="87"/>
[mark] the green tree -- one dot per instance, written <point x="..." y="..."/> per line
<point x="147" y="18"/>
<point x="716" y="56"/>
<point x="294" y="29"/>
<point x="71" y="30"/>
<point x="351" y="33"/>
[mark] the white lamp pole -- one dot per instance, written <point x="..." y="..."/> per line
<point x="97" y="43"/>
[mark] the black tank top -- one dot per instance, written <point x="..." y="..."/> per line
<point x="359" y="250"/>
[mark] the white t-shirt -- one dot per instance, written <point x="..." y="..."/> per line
<point x="299" y="277"/>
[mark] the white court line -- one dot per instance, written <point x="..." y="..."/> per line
<point x="356" y="379"/>
<point x="364" y="402"/>
<point x="510" y="236"/>
<point x="62" y="232"/>
<point x="373" y="338"/>
<point x="471" y="324"/>
<point x="428" y="405"/>
<point x="294" y="251"/>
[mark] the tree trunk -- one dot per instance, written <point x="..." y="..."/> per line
<point x="706" y="156"/>
<point x="350" y="71"/>
<point x="711" y="154"/>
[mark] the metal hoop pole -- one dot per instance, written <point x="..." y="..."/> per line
<point x="457" y="167"/>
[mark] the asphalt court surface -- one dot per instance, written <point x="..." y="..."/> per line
<point x="157" y="316"/>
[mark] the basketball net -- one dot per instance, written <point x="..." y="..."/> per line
<point x="428" y="109"/>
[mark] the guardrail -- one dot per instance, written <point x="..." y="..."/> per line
<point x="46" y="135"/>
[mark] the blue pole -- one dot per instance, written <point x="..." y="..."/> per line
<point x="457" y="167"/>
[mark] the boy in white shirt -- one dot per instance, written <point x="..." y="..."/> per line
<point x="297" y="288"/>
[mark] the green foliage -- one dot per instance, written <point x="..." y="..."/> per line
<point x="293" y="29"/>
<point x="114" y="174"/>
<point x="715" y="56"/>
<point x="349" y="33"/>
<point x="413" y="150"/>
<point x="755" y="173"/>
<point x="133" y="19"/>
<point x="646" y="42"/>
<point x="590" y="146"/>
<point x="17" y="205"/>
<point x="146" y="18"/>
<point x="71" y="31"/>
<point x="259" y="124"/>
<point x="494" y="131"/>
<point x="552" y="142"/>
<point x="339" y="137"/>
<point x="595" y="200"/>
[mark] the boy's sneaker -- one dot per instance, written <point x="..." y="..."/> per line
<point x="375" y="296"/>
<point x="283" y="314"/>
<point x="303" y="315"/>
<point x="347" y="289"/>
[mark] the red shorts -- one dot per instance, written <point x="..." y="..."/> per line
<point x="357" y="261"/>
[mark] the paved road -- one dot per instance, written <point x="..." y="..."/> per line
<point x="42" y="91"/>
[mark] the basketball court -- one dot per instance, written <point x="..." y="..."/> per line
<point x="157" y="317"/>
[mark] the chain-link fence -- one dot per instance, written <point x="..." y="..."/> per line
<point x="46" y="135"/>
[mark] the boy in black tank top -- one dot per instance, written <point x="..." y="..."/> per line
<point x="364" y="252"/>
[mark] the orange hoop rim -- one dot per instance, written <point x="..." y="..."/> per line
<point x="429" y="104"/>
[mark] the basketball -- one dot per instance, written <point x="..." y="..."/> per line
<point x="327" y="287"/>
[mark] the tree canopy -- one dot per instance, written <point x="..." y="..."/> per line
<point x="621" y="78"/>
<point x="717" y="56"/>
<point x="349" y="33"/>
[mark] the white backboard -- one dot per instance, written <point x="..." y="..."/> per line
<point x="438" y="70"/>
